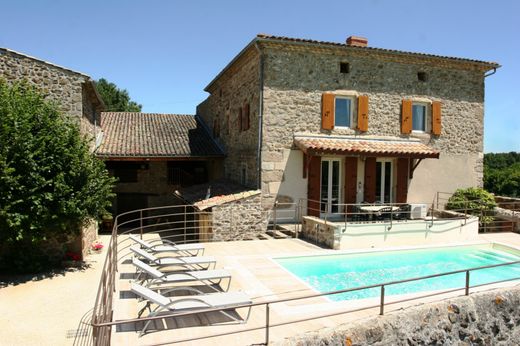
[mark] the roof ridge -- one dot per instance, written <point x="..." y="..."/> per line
<point x="44" y="61"/>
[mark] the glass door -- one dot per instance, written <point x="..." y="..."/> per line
<point x="384" y="181"/>
<point x="330" y="185"/>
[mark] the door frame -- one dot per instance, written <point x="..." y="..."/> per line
<point x="328" y="209"/>
<point x="384" y="161"/>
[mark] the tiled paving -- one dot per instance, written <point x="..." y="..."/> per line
<point x="254" y="272"/>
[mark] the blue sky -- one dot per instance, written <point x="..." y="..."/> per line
<point x="165" y="52"/>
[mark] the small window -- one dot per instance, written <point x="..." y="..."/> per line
<point x="344" y="67"/>
<point x="245" y="117"/>
<point x="343" y="111"/>
<point x="422" y="76"/>
<point x="239" y="118"/>
<point x="243" y="175"/>
<point x="419" y="114"/>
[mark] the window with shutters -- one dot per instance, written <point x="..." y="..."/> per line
<point x="343" y="111"/>
<point x="420" y="117"/>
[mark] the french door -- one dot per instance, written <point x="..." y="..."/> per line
<point x="330" y="186"/>
<point x="384" y="178"/>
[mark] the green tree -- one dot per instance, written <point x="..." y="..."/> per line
<point x="502" y="173"/>
<point x="116" y="100"/>
<point x="50" y="182"/>
<point x="473" y="200"/>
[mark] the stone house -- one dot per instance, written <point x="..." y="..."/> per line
<point x="333" y="123"/>
<point x="73" y="91"/>
<point x="153" y="155"/>
<point x="76" y="96"/>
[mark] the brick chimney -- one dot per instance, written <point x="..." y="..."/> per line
<point x="357" y="41"/>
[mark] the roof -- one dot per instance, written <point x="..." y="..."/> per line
<point x="218" y="192"/>
<point x="487" y="65"/>
<point x="43" y="62"/>
<point x="392" y="147"/>
<point x="149" y="135"/>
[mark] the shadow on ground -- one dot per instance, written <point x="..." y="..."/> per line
<point x="17" y="279"/>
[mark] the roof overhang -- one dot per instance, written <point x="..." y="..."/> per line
<point x="356" y="146"/>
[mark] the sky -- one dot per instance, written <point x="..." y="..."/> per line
<point x="165" y="52"/>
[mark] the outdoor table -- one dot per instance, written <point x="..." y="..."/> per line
<point x="372" y="210"/>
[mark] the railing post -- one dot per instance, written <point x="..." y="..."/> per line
<point x="467" y="283"/>
<point x="382" y="302"/>
<point x="141" y="223"/>
<point x="267" y="324"/>
<point x="274" y="215"/>
<point x="185" y="224"/>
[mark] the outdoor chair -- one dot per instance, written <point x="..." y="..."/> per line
<point x="384" y="213"/>
<point x="224" y="301"/>
<point x="403" y="213"/>
<point x="153" y="277"/>
<point x="169" y="246"/>
<point x="191" y="263"/>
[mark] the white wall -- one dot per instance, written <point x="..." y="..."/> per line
<point x="410" y="232"/>
<point x="446" y="174"/>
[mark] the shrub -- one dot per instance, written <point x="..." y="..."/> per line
<point x="50" y="182"/>
<point x="475" y="201"/>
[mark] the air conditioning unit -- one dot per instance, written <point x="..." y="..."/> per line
<point x="418" y="211"/>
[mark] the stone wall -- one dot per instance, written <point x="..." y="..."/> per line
<point x="231" y="91"/>
<point x="61" y="85"/>
<point x="296" y="77"/>
<point x="241" y="219"/>
<point x="487" y="318"/>
<point x="318" y="231"/>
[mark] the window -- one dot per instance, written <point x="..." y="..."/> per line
<point x="126" y="172"/>
<point x="422" y="76"/>
<point x="419" y="115"/>
<point x="344" y="67"/>
<point x="245" y="117"/>
<point x="239" y="118"/>
<point x="343" y="111"/>
<point x="243" y="175"/>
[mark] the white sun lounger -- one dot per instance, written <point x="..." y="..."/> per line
<point x="225" y="301"/>
<point x="194" y="263"/>
<point x="208" y="278"/>
<point x="169" y="246"/>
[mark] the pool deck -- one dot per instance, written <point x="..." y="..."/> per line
<point x="254" y="272"/>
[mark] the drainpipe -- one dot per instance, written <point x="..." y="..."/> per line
<point x="491" y="73"/>
<point x="260" y="116"/>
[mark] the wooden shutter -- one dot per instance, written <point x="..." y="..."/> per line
<point x="350" y="180"/>
<point x="436" y="118"/>
<point x="370" y="180"/>
<point x="239" y="119"/>
<point x="401" y="194"/>
<point x="327" y="111"/>
<point x="245" y="116"/>
<point x="313" y="186"/>
<point x="406" y="116"/>
<point x="362" y="119"/>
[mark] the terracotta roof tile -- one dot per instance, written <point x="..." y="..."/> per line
<point x="301" y="40"/>
<point x="128" y="134"/>
<point x="316" y="145"/>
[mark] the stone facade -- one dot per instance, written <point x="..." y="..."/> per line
<point x="73" y="91"/>
<point x="241" y="219"/>
<point x="487" y="318"/>
<point x="295" y="76"/>
<point x="238" y="86"/>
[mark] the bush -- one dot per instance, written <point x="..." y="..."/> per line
<point x="475" y="201"/>
<point x="50" y="182"/>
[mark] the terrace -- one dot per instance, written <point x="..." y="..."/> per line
<point x="278" y="297"/>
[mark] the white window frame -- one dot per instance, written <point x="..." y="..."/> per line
<point x="383" y="162"/>
<point x="427" y="116"/>
<point x="328" y="209"/>
<point x="351" y="115"/>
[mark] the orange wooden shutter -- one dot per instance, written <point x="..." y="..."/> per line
<point x="362" y="120"/>
<point x="406" y="117"/>
<point x="313" y="186"/>
<point x="327" y="111"/>
<point x="401" y="194"/>
<point x="350" y="180"/>
<point x="370" y="180"/>
<point x="436" y="118"/>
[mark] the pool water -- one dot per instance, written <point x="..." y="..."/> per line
<point x="335" y="272"/>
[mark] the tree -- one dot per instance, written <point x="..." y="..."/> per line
<point x="116" y="100"/>
<point x="475" y="201"/>
<point x="50" y="182"/>
<point x="502" y="173"/>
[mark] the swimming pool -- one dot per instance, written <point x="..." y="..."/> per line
<point x="327" y="273"/>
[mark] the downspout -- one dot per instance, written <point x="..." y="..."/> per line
<point x="260" y="116"/>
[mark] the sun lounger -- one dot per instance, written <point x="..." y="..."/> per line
<point x="193" y="263"/>
<point x="224" y="301"/>
<point x="209" y="278"/>
<point x="169" y="246"/>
